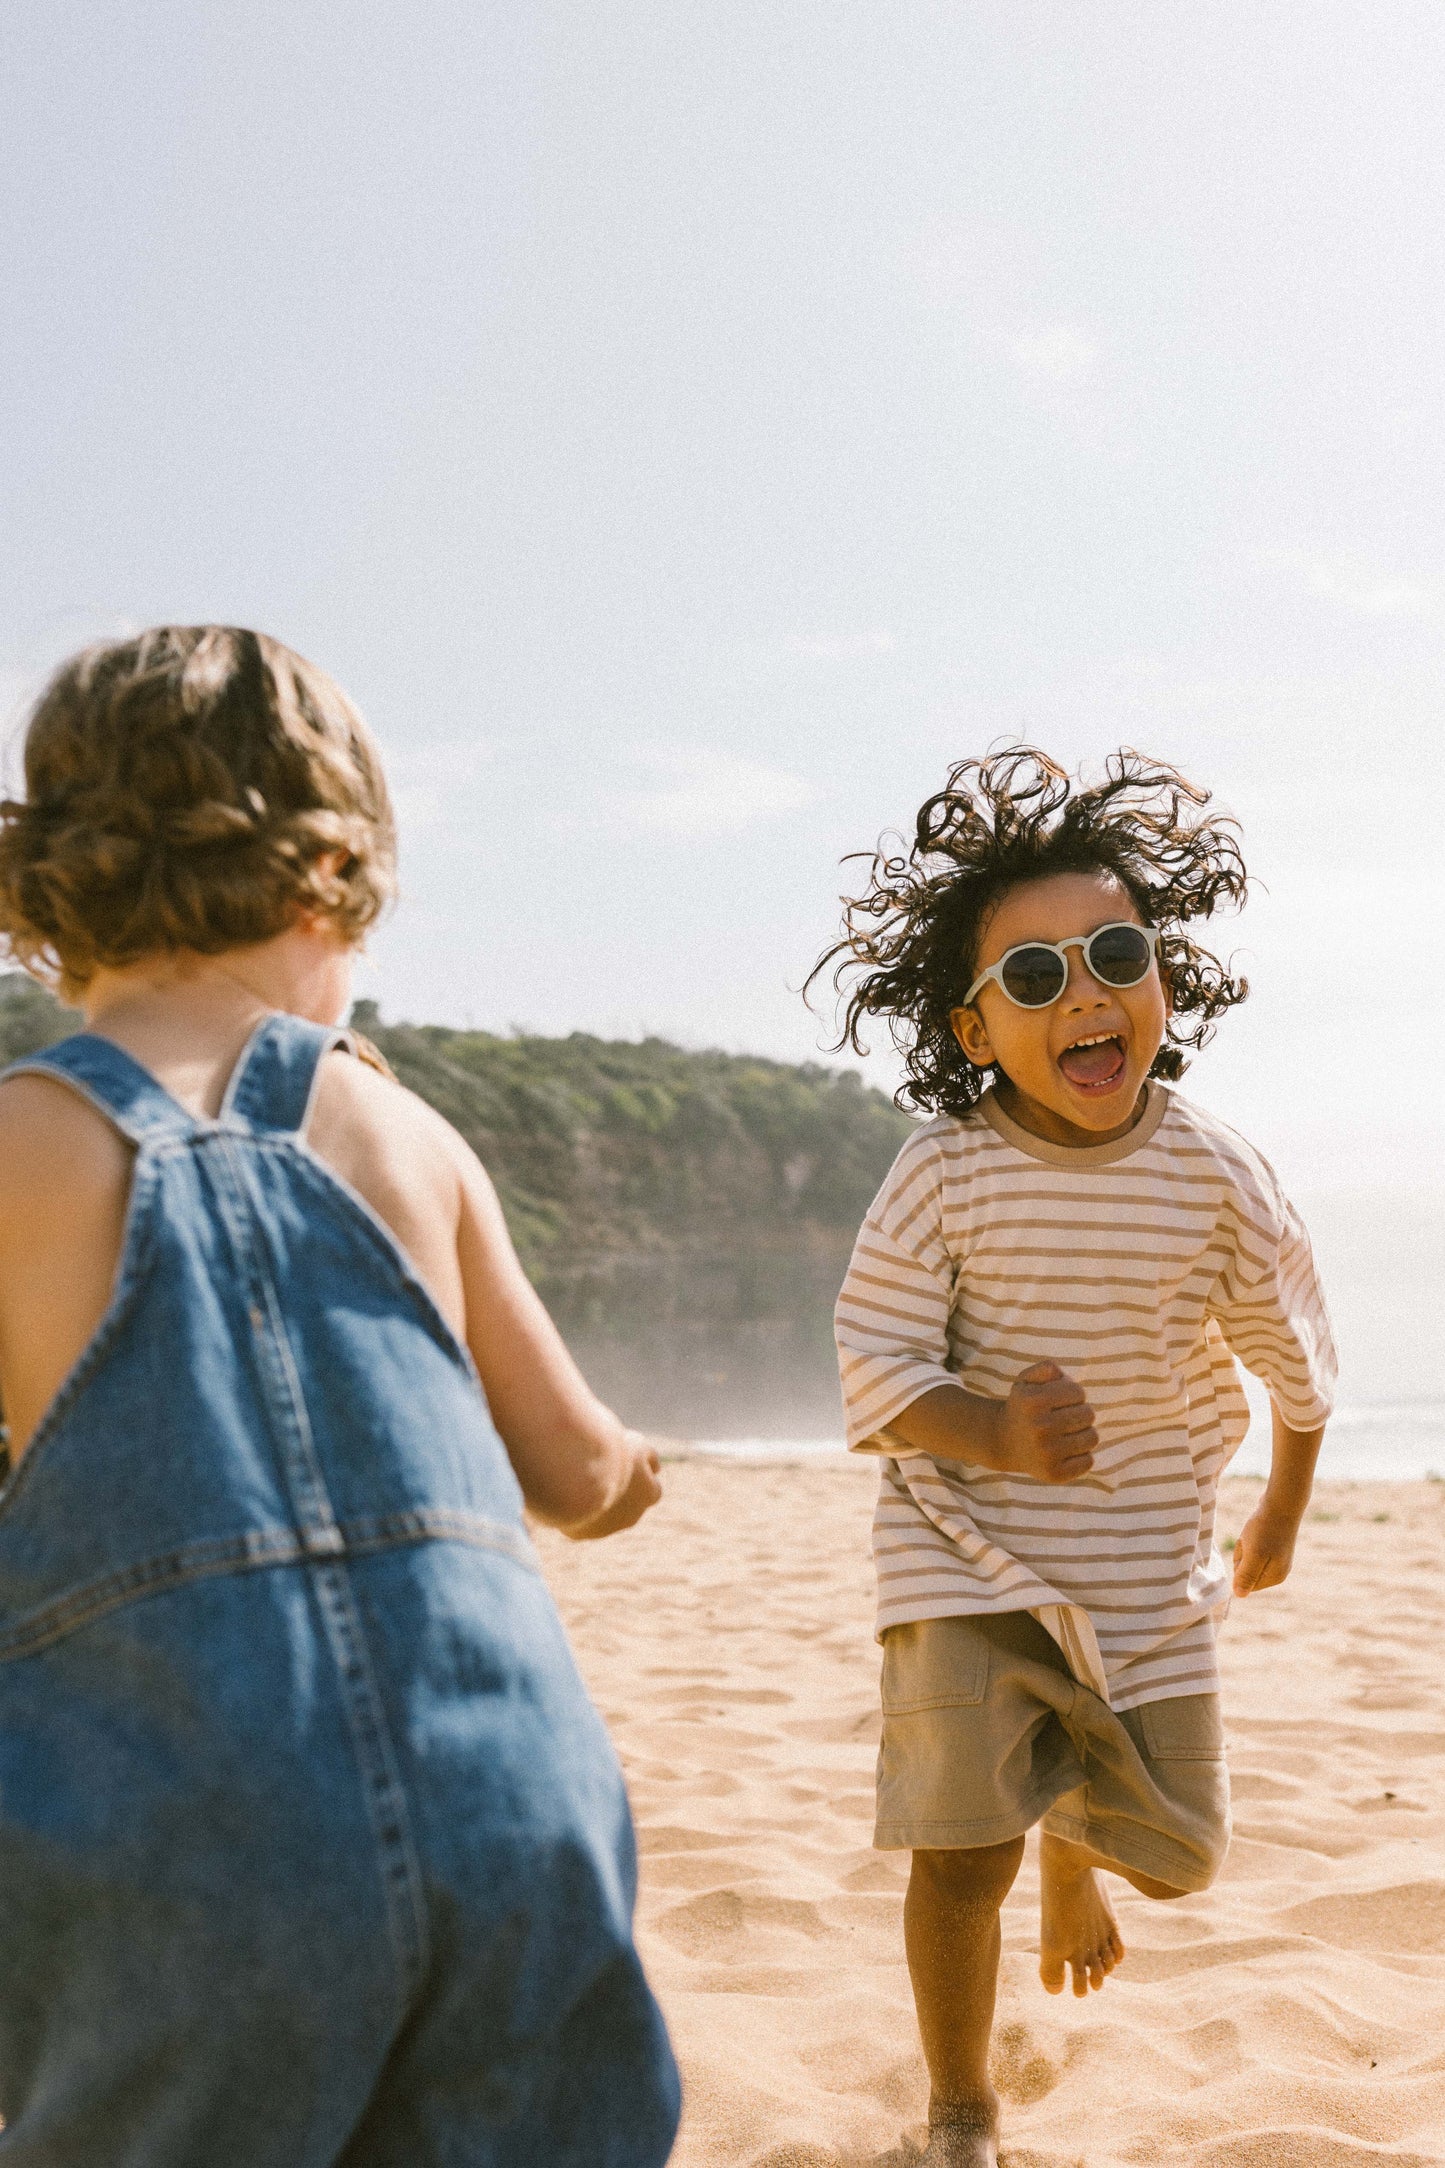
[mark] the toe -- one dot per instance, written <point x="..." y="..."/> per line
<point x="1051" y="1972"/>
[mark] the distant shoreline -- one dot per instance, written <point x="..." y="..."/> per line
<point x="1367" y="1448"/>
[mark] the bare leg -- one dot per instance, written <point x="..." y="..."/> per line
<point x="951" y="1931"/>
<point x="1078" y="1929"/>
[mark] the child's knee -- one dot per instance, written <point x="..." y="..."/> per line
<point x="971" y="1874"/>
<point x="1147" y="1886"/>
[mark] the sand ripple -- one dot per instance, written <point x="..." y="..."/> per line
<point x="1292" y="2018"/>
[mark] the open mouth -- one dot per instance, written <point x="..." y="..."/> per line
<point x="1095" y="1064"/>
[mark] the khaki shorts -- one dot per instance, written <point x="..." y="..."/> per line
<point x="986" y="1731"/>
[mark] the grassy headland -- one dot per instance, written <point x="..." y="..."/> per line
<point x="687" y="1217"/>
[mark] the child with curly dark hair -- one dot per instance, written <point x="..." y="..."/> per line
<point x="313" y="1847"/>
<point x="1037" y="1335"/>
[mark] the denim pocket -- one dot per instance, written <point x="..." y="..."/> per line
<point x="1186" y="1728"/>
<point x="934" y="1663"/>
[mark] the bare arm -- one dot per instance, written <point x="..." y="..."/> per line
<point x="1265" y="1550"/>
<point x="1044" y="1429"/>
<point x="64" y="1180"/>
<point x="579" y="1468"/>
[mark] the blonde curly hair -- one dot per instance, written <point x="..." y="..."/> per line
<point x="193" y="788"/>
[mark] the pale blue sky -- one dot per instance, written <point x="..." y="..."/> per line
<point x="686" y="429"/>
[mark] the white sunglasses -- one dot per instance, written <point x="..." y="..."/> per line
<point x="1036" y="972"/>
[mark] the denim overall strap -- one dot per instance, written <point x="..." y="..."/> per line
<point x="272" y="1085"/>
<point x="114" y="1083"/>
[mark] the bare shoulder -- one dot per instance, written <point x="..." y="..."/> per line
<point x="352" y="1098"/>
<point x="52" y="1141"/>
<point x="388" y="1143"/>
<point x="356" y="1103"/>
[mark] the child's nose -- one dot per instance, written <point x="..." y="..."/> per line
<point x="1083" y="987"/>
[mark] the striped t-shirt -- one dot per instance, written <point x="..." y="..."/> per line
<point x="1143" y="1268"/>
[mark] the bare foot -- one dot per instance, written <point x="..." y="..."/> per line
<point x="972" y="2143"/>
<point x="1077" y="1924"/>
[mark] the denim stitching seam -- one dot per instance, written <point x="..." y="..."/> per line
<point x="382" y="1240"/>
<point x="244" y="1554"/>
<point x="321" y="1536"/>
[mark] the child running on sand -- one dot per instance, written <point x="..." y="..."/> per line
<point x="1038" y="1335"/>
<point x="313" y="1849"/>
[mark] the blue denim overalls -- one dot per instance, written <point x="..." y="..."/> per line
<point x="313" y="1849"/>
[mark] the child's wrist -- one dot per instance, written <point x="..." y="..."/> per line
<point x="954" y="1424"/>
<point x="989" y="1447"/>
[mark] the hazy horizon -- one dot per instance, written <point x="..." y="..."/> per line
<point x="688" y="431"/>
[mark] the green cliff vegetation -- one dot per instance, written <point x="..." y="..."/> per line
<point x="29" y="1017"/>
<point x="686" y="1217"/>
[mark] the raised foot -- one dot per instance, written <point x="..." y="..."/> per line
<point x="1078" y="1930"/>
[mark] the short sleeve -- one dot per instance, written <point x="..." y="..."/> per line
<point x="892" y="1314"/>
<point x="1271" y="1309"/>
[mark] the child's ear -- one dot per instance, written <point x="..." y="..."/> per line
<point x="972" y="1035"/>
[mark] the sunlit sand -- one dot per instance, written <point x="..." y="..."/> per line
<point x="1291" y="2018"/>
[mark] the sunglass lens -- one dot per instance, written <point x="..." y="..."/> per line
<point x="1119" y="955"/>
<point x="1033" y="977"/>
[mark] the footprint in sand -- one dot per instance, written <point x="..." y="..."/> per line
<point x="1019" y="2067"/>
<point x="858" y="2064"/>
<point x="696" y="1927"/>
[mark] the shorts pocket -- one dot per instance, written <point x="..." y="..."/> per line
<point x="934" y="1663"/>
<point x="1186" y="1728"/>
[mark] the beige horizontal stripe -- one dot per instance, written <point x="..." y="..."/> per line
<point x="1021" y="1303"/>
<point x="1165" y="1652"/>
<point x="989" y="1491"/>
<point x="1049" y="1252"/>
<point x="1184" y="1657"/>
<point x="988" y="1590"/>
<point x="1169" y="1221"/>
<point x="976" y="1261"/>
<point x="1144" y="1280"/>
<point x="1102" y="1532"/>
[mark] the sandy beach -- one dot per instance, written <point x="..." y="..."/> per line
<point x="1294" y="2017"/>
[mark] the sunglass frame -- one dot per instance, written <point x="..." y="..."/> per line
<point x="1084" y="941"/>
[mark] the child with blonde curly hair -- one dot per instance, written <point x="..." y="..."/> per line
<point x="1037" y="1335"/>
<point x="313" y="1848"/>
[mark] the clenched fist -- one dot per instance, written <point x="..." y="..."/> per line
<point x="1265" y="1550"/>
<point x="640" y="1491"/>
<point x="1046" y="1427"/>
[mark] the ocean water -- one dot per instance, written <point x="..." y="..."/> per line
<point x="1392" y="1442"/>
<point x="1382" y="1259"/>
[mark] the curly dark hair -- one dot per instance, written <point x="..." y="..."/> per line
<point x="910" y="942"/>
<point x="190" y="788"/>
